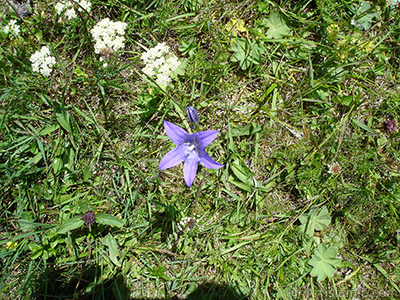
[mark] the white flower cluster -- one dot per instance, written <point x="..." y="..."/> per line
<point x="160" y="62"/>
<point x="68" y="7"/>
<point x="188" y="223"/>
<point x="12" y="28"/>
<point x="393" y="2"/>
<point x="109" y="34"/>
<point x="42" y="61"/>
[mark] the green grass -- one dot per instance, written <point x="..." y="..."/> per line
<point x="294" y="89"/>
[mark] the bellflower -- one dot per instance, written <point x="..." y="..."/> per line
<point x="190" y="148"/>
<point x="192" y="114"/>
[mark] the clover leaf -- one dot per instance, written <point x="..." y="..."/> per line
<point x="276" y="26"/>
<point x="324" y="262"/>
<point x="246" y="52"/>
<point x="314" y="220"/>
<point x="365" y="16"/>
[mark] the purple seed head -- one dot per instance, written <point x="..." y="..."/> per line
<point x="390" y="125"/>
<point x="89" y="217"/>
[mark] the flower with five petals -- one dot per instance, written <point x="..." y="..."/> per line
<point x="190" y="148"/>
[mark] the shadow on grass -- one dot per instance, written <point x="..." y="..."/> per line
<point x="78" y="282"/>
<point x="57" y="284"/>
<point x="213" y="291"/>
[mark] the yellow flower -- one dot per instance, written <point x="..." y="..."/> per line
<point x="10" y="245"/>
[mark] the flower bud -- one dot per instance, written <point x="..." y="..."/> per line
<point x="192" y="114"/>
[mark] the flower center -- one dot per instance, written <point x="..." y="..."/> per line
<point x="192" y="145"/>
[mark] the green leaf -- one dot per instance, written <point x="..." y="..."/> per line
<point x="346" y="100"/>
<point x="365" y="16"/>
<point x="57" y="165"/>
<point x="324" y="262"/>
<point x="251" y="129"/>
<point x="180" y="70"/>
<point x="242" y="172"/>
<point x="63" y="118"/>
<point x="70" y="224"/>
<point x="239" y="184"/>
<point x="159" y="272"/>
<point x="246" y="53"/>
<point x="49" y="129"/>
<point x="363" y="126"/>
<point x="109" y="220"/>
<point x="276" y="26"/>
<point x="314" y="220"/>
<point x="188" y="47"/>
<point x="112" y="245"/>
<point x="86" y="173"/>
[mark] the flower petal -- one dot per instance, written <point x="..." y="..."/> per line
<point x="190" y="168"/>
<point x="174" y="157"/>
<point x="205" y="138"/>
<point x="177" y="134"/>
<point x="207" y="161"/>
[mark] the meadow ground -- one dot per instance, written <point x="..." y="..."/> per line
<point x="305" y="96"/>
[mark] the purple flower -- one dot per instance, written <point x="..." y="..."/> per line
<point x="192" y="114"/>
<point x="190" y="148"/>
<point x="89" y="217"/>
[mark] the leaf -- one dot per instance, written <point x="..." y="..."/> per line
<point x="70" y="224"/>
<point x="363" y="126"/>
<point x="57" y="165"/>
<point x="365" y="16"/>
<point x="314" y="220"/>
<point x="86" y="173"/>
<point x="246" y="52"/>
<point x="49" y="129"/>
<point x="112" y="245"/>
<point x="239" y="184"/>
<point x="242" y="172"/>
<point x="180" y="70"/>
<point x="188" y="47"/>
<point x="324" y="262"/>
<point x="235" y="26"/>
<point x="63" y="118"/>
<point x="106" y="219"/>
<point x="276" y="26"/>
<point x="251" y="129"/>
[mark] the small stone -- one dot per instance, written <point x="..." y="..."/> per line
<point x="22" y="7"/>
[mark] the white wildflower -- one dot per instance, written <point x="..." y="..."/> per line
<point x="86" y="5"/>
<point x="105" y="64"/>
<point x="110" y="34"/>
<point x="334" y="168"/>
<point x="163" y="79"/>
<point x="160" y="62"/>
<point x="393" y="2"/>
<point x="70" y="13"/>
<point x="188" y="223"/>
<point x="42" y="61"/>
<point x="12" y="28"/>
<point x="68" y="8"/>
